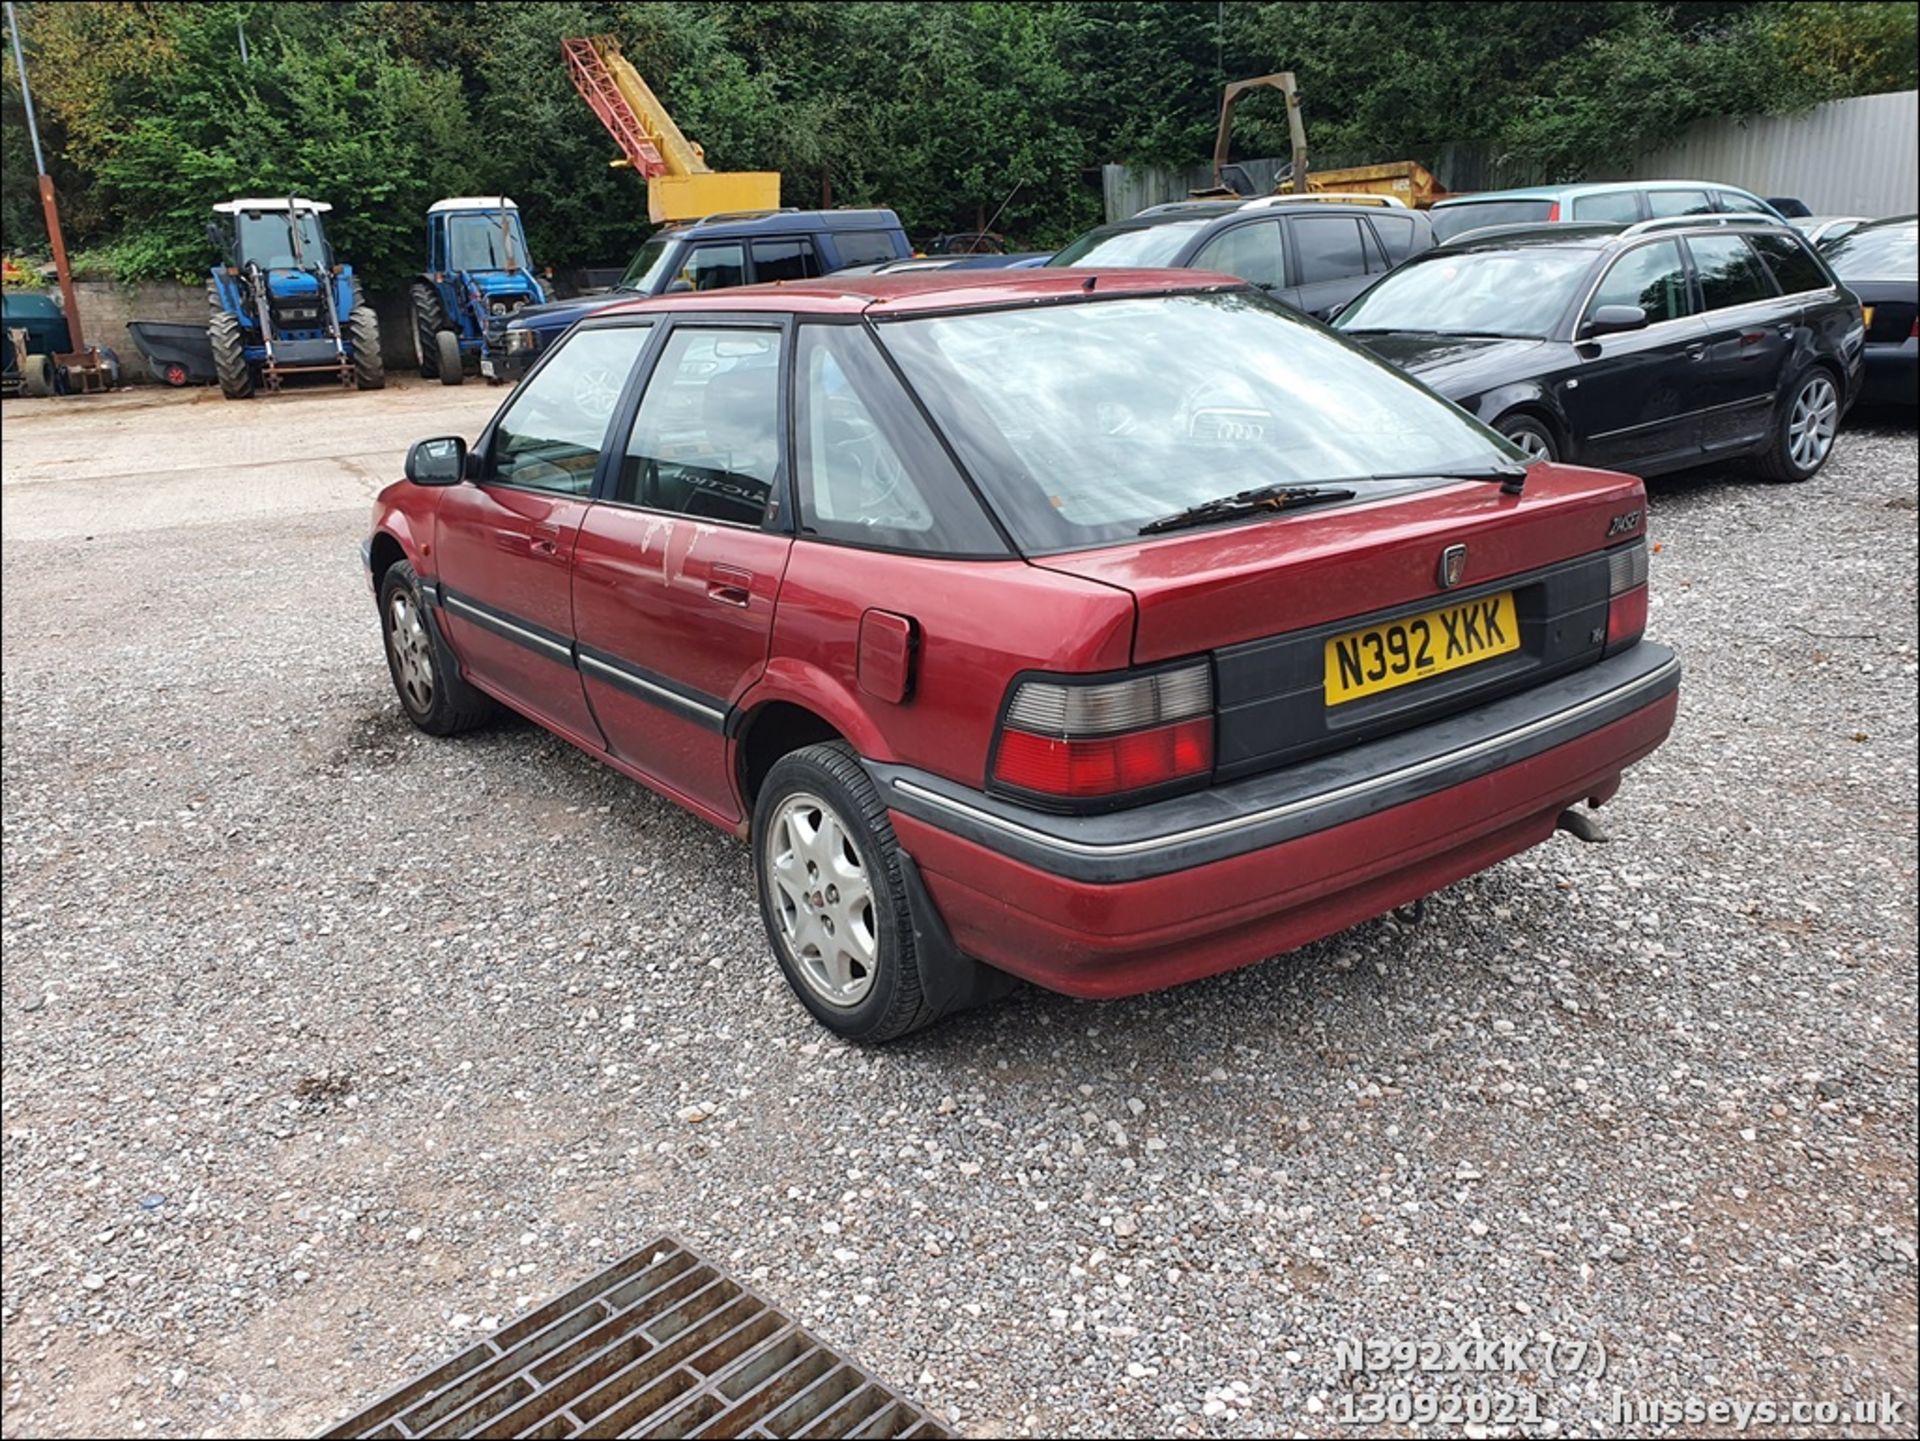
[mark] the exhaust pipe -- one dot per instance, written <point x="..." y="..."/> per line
<point x="1582" y="826"/>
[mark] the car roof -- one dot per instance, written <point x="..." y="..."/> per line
<point x="930" y="290"/>
<point x="1589" y="187"/>
<point x="472" y="202"/>
<point x="1190" y="210"/>
<point x="269" y="202"/>
<point x="748" y="222"/>
<point x="1598" y="234"/>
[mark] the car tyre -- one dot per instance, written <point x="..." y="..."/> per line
<point x="832" y="897"/>
<point x="1804" y="429"/>
<point x="1530" y="435"/>
<point x="433" y="693"/>
<point x="449" y="364"/>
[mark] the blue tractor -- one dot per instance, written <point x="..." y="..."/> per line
<point x="477" y="271"/>
<point x="281" y="306"/>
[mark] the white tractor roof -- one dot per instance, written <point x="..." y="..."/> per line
<point x="471" y="202"/>
<point x="271" y="202"/>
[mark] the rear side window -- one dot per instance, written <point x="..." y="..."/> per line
<point x="706" y="442"/>
<point x="1730" y="273"/>
<point x="551" y="434"/>
<point x="868" y="470"/>
<point x="1792" y="264"/>
<point x="1251" y="252"/>
<point x="784" y="260"/>
<point x="714" y="267"/>
<point x="864" y="247"/>
<point x="1616" y="207"/>
<point x="1327" y="247"/>
<point x="1653" y="277"/>
<point x="1395" y="234"/>
<point x="1452" y="220"/>
<point x="1678" y="202"/>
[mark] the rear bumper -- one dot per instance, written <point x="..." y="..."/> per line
<point x="1136" y="900"/>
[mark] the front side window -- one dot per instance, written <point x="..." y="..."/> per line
<point x="1084" y="420"/>
<point x="1251" y="252"/>
<point x="1616" y="207"/>
<point x="1730" y="273"/>
<point x="1144" y="245"/>
<point x="649" y="266"/>
<point x="866" y="247"/>
<point x="1327" y="247"/>
<point x="714" y="267"/>
<point x="869" y="471"/>
<point x="1653" y="277"/>
<point x="1520" y="292"/>
<point x="787" y="259"/>
<point x="1662" y="203"/>
<point x="1792" y="264"/>
<point x="552" y="432"/>
<point x="706" y="442"/>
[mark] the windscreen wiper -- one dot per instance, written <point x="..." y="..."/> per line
<point x="1247" y="502"/>
<point x="1511" y="477"/>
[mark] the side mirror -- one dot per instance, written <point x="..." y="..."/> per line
<point x="1333" y="312"/>
<point x="437" y="462"/>
<point x="216" y="237"/>
<point x="1612" y="319"/>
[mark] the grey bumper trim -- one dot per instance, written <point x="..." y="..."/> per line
<point x="1283" y="805"/>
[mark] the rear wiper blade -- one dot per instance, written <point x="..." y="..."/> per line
<point x="1247" y="502"/>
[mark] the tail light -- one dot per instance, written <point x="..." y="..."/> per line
<point x="1627" y="595"/>
<point x="1076" y="741"/>
<point x="1553" y="211"/>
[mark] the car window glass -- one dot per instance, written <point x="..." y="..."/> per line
<point x="1458" y="219"/>
<point x="1739" y="200"/>
<point x="783" y="260"/>
<point x="552" y="432"/>
<point x="865" y="247"/>
<point x="1251" y="252"/>
<point x="706" y="442"/>
<point x="1678" y="202"/>
<point x="1653" y="277"/>
<point x="1395" y="233"/>
<point x="1148" y="245"/>
<point x="1327" y="247"/>
<point x="868" y="469"/>
<point x="1616" y="207"/>
<point x="1876" y="252"/>
<point x="713" y="267"/>
<point x="1730" y="273"/>
<point x="1792" y="264"/>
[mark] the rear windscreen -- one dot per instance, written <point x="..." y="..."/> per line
<point x="1452" y="220"/>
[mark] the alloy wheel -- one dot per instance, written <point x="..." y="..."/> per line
<point x="412" y="652"/>
<point x="823" y="900"/>
<point x="1533" y="443"/>
<point x="1812" y="422"/>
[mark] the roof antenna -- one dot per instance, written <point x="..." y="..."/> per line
<point x="1087" y="284"/>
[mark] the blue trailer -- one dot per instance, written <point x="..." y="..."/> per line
<point x="478" y="272"/>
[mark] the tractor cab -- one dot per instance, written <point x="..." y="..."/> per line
<point x="281" y="305"/>
<point x="478" y="269"/>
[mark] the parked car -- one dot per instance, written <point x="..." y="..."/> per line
<point x="1311" y="254"/>
<point x="716" y="253"/>
<point x="1822" y="228"/>
<point x="1647" y="348"/>
<point x="1880" y="264"/>
<point x="1615" y="202"/>
<point x="1105" y="634"/>
<point x="1014" y="260"/>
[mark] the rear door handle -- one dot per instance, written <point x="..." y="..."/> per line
<point x="729" y="585"/>
<point x="1696" y="352"/>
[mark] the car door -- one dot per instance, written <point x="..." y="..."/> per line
<point x="1327" y="257"/>
<point x="1250" y="250"/>
<point x="679" y="562"/>
<point x="1633" y="400"/>
<point x="503" y="546"/>
<point x="1750" y="337"/>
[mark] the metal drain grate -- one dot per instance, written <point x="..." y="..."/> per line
<point x="659" y="1344"/>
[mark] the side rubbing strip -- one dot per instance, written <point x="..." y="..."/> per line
<point x="650" y="687"/>
<point x="489" y="619"/>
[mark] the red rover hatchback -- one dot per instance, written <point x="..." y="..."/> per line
<point x="1109" y="629"/>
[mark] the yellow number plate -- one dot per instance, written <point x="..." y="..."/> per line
<point x="1400" y="652"/>
<point x="1866" y="315"/>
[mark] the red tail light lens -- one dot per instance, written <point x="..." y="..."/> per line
<point x="1553" y="211"/>
<point x="1627" y="595"/>
<point x="1109" y="738"/>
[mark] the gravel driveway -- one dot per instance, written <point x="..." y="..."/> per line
<point x="327" y="1044"/>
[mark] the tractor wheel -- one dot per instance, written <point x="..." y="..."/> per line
<point x="36" y="373"/>
<point x="230" y="355"/>
<point x="363" y="334"/>
<point x="429" y="319"/>
<point x="452" y="369"/>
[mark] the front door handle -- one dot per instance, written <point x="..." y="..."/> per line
<point x="729" y="585"/>
<point x="544" y="540"/>
<point x="1696" y="352"/>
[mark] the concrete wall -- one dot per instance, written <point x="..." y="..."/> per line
<point x="106" y="306"/>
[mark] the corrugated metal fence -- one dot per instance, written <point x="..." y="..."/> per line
<point x="1848" y="157"/>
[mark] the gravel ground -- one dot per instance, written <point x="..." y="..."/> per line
<point x="329" y="1044"/>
